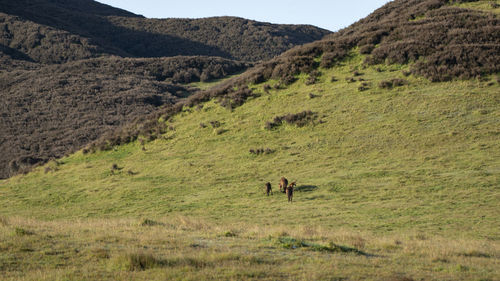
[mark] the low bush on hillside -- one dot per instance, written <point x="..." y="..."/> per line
<point x="313" y="77"/>
<point x="292" y="243"/>
<point x="364" y="86"/>
<point x="389" y="84"/>
<point x="366" y="49"/>
<point x="237" y="97"/>
<point x="299" y="119"/>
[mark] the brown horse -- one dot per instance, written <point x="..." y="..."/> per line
<point x="289" y="191"/>
<point x="283" y="184"/>
<point x="269" y="189"/>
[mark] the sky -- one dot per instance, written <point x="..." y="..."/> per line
<point x="332" y="15"/>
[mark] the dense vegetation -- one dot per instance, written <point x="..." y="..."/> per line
<point x="240" y="38"/>
<point x="48" y="31"/>
<point x="50" y="111"/>
<point x="62" y="85"/>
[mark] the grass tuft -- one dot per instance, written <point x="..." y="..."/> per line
<point x="22" y="232"/>
<point x="136" y="261"/>
<point x="293" y="243"/>
<point x="148" y="222"/>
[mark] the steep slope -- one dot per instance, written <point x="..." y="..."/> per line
<point x="54" y="110"/>
<point x="37" y="34"/>
<point x="447" y="42"/>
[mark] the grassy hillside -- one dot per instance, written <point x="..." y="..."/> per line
<point x="404" y="178"/>
<point x="389" y="127"/>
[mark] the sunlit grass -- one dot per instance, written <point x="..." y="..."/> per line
<point x="409" y="175"/>
<point x="193" y="249"/>
<point x="492" y="6"/>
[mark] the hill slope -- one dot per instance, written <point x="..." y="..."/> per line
<point x="397" y="179"/>
<point x="54" y="110"/>
<point x="89" y="45"/>
<point x="49" y="32"/>
<point x="420" y="160"/>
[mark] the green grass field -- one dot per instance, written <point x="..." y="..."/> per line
<point x="409" y="176"/>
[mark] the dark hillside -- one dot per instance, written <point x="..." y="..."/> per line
<point x="121" y="33"/>
<point x="440" y="41"/>
<point x="241" y="38"/>
<point x="24" y="40"/>
<point x="50" y="111"/>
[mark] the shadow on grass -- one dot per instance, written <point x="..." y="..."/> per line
<point x="306" y="188"/>
<point x="292" y="243"/>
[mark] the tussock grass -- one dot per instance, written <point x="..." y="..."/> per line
<point x="120" y="249"/>
<point x="136" y="261"/>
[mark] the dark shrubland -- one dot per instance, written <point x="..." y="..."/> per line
<point x="240" y="39"/>
<point x="49" y="112"/>
<point x="53" y="32"/>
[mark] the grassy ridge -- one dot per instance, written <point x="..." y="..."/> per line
<point x="418" y="160"/>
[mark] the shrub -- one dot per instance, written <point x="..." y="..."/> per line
<point x="236" y="98"/>
<point x="299" y="119"/>
<point x="288" y="80"/>
<point x="364" y="86"/>
<point x="149" y="222"/>
<point x="313" y="77"/>
<point x="366" y="49"/>
<point x="266" y="88"/>
<point x="333" y="55"/>
<point x="220" y="131"/>
<point x="215" y="124"/>
<point x="389" y="84"/>
<point x="357" y="73"/>
<point x="230" y="233"/>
